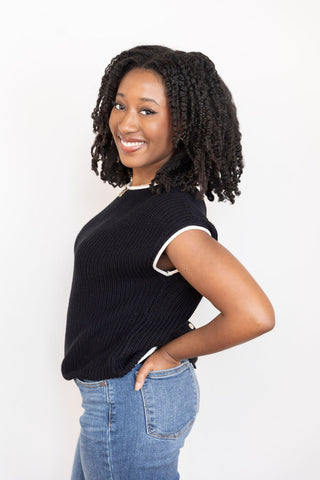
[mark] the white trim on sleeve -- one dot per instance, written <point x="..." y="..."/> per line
<point x="171" y="272"/>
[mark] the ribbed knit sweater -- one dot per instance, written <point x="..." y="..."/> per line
<point x="121" y="304"/>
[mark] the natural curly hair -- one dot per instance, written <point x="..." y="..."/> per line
<point x="206" y="138"/>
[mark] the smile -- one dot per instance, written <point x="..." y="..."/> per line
<point x="131" y="146"/>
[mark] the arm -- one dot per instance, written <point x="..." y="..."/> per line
<point x="210" y="268"/>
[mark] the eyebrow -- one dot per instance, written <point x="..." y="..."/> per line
<point x="143" y="99"/>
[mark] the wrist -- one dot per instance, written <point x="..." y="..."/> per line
<point x="170" y="354"/>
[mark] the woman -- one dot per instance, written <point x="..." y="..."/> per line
<point x="167" y="130"/>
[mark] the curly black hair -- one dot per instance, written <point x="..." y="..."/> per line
<point x="206" y="139"/>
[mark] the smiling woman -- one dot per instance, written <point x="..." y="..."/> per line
<point x="167" y="130"/>
<point x="143" y="135"/>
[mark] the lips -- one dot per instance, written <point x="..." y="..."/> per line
<point x="129" y="145"/>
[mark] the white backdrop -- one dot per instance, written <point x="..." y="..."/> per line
<point x="259" y="414"/>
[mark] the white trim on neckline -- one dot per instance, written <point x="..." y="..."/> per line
<point x="137" y="187"/>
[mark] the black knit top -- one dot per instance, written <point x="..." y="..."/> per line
<point x="121" y="304"/>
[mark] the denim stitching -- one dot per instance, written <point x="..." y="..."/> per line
<point x="196" y="387"/>
<point x="109" y="426"/>
<point x="94" y="384"/>
<point x="146" y="410"/>
<point x="168" y="372"/>
<point x="170" y="435"/>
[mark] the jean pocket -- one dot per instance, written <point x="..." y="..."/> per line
<point x="89" y="383"/>
<point x="170" y="400"/>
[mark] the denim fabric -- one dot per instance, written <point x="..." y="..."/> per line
<point x="135" y="435"/>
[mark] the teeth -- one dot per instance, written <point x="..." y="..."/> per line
<point x="131" y="144"/>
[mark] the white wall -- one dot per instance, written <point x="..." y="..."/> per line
<point x="259" y="401"/>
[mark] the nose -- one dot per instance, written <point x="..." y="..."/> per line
<point x="128" y="123"/>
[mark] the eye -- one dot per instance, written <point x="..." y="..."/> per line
<point x="117" y="105"/>
<point x="148" y="111"/>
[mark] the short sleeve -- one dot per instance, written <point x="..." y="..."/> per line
<point x="174" y="214"/>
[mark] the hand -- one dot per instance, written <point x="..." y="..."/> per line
<point x="158" y="360"/>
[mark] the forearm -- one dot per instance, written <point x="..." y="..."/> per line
<point x="221" y="333"/>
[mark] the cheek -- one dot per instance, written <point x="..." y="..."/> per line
<point x="160" y="131"/>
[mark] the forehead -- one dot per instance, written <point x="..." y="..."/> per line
<point x="143" y="83"/>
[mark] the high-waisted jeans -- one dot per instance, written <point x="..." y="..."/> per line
<point x="135" y="435"/>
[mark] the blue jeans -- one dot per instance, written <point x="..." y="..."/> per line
<point x="135" y="435"/>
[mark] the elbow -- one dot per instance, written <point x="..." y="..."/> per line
<point x="260" y="316"/>
<point x="266" y="320"/>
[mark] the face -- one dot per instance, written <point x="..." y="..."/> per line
<point x="140" y="122"/>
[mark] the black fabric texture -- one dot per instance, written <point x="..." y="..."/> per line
<point x="119" y="305"/>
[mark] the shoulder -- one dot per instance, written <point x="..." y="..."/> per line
<point x="176" y="200"/>
<point x="176" y="209"/>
